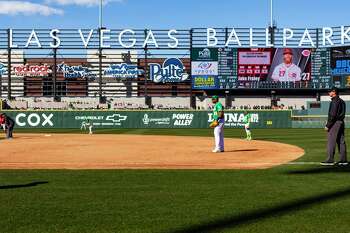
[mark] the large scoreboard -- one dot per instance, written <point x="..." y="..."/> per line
<point x="270" y="68"/>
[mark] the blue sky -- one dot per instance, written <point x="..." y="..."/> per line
<point x="171" y="13"/>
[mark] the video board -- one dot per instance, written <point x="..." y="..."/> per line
<point x="264" y="68"/>
<point x="340" y="66"/>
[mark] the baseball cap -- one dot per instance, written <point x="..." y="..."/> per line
<point x="215" y="97"/>
<point x="335" y="89"/>
<point x="288" y="51"/>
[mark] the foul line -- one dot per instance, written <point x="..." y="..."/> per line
<point x="302" y="163"/>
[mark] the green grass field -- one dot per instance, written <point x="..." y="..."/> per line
<point x="288" y="198"/>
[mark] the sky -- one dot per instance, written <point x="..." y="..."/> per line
<point x="166" y="14"/>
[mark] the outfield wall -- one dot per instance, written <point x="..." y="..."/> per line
<point x="145" y="119"/>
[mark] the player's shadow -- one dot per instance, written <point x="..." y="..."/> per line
<point x="319" y="170"/>
<point x="242" y="150"/>
<point x="16" y="186"/>
<point x="232" y="222"/>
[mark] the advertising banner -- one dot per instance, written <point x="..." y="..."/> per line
<point x="204" y="68"/>
<point x="2" y="68"/>
<point x="204" y="82"/>
<point x="171" y="71"/>
<point x="340" y="66"/>
<point x="32" y="70"/>
<point x="340" y="61"/>
<point x="144" y="119"/>
<point x="204" y="54"/>
<point x="123" y="71"/>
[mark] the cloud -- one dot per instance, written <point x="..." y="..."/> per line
<point x="27" y="8"/>
<point x="80" y="2"/>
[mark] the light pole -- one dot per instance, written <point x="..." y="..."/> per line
<point x="271" y="14"/>
<point x="101" y="99"/>
<point x="101" y="13"/>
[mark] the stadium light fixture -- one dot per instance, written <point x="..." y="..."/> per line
<point x="101" y="13"/>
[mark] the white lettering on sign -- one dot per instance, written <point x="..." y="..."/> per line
<point x="128" y="38"/>
<point x="34" y="119"/>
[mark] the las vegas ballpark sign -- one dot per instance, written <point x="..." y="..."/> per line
<point x="128" y="38"/>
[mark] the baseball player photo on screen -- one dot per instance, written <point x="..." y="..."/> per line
<point x="273" y="65"/>
<point x="290" y="65"/>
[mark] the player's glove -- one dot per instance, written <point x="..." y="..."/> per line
<point x="214" y="124"/>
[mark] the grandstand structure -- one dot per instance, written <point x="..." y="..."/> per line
<point x="74" y="76"/>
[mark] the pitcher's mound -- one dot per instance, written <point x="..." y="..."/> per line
<point x="77" y="151"/>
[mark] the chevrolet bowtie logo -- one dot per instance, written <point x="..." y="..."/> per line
<point x="116" y="118"/>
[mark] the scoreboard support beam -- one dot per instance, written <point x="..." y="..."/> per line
<point x="192" y="96"/>
<point x="9" y="65"/>
<point x="148" y="102"/>
<point x="54" y="72"/>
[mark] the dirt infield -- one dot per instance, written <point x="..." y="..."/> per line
<point x="76" y="151"/>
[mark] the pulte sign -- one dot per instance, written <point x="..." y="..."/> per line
<point x="172" y="38"/>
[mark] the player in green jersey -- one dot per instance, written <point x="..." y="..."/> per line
<point x="246" y="120"/>
<point x="218" y="125"/>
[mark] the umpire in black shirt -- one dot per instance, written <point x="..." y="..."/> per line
<point x="336" y="129"/>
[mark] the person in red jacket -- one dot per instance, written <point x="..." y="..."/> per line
<point x="7" y="124"/>
<point x="2" y="121"/>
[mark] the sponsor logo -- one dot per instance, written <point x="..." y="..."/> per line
<point x="116" y="118"/>
<point x="204" y="82"/>
<point x="145" y="119"/>
<point x="110" y="120"/>
<point x="205" y="68"/>
<point x="35" y="70"/>
<point x="74" y="71"/>
<point x="34" y="119"/>
<point x="172" y="70"/>
<point x="88" y="118"/>
<point x="181" y="119"/>
<point x="306" y="53"/>
<point x="342" y="67"/>
<point x="204" y="54"/>
<point x="156" y="121"/>
<point x="123" y="71"/>
<point x="236" y="119"/>
<point x="2" y="69"/>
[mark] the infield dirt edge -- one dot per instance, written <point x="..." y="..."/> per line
<point x="124" y="151"/>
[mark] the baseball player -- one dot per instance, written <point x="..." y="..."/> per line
<point x="218" y="125"/>
<point x="7" y="124"/>
<point x="85" y="125"/>
<point x="287" y="71"/>
<point x="246" y="121"/>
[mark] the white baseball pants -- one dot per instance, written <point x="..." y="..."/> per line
<point x="219" y="135"/>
